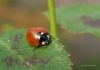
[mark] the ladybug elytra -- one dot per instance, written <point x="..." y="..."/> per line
<point x="37" y="36"/>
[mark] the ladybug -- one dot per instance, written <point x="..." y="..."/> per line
<point x="38" y="36"/>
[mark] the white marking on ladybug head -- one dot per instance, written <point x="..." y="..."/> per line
<point x="43" y="43"/>
<point x="42" y="33"/>
<point x="37" y="37"/>
<point x="48" y="36"/>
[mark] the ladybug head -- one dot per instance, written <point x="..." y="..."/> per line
<point x="45" y="38"/>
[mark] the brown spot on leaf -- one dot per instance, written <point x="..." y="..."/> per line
<point x="35" y="60"/>
<point x="10" y="61"/>
<point x="17" y="37"/>
<point x="14" y="48"/>
<point x="15" y="40"/>
<point x="90" y="21"/>
<point x="45" y="61"/>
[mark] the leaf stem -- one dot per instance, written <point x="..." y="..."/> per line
<point x="53" y="25"/>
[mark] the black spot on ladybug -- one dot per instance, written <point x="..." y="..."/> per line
<point x="32" y="42"/>
<point x="29" y="35"/>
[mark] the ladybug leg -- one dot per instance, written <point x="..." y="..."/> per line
<point x="43" y="46"/>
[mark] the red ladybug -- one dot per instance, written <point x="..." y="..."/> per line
<point x="37" y="36"/>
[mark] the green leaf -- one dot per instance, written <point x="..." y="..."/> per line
<point x="17" y="54"/>
<point x="77" y="18"/>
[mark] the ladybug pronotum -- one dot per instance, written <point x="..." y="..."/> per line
<point x="37" y="36"/>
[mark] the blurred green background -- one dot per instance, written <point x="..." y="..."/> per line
<point x="82" y="44"/>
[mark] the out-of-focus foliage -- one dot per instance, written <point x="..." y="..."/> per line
<point x="80" y="18"/>
<point x="17" y="54"/>
<point x="5" y="28"/>
<point x="92" y="64"/>
<point x="8" y="2"/>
